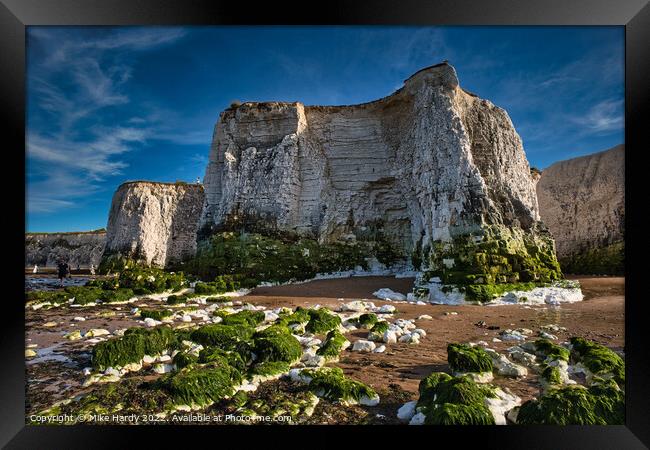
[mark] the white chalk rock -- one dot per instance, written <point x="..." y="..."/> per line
<point x="387" y="309"/>
<point x="418" y="419"/>
<point x="79" y="319"/>
<point x="390" y="337"/>
<point x="407" y="411"/>
<point x="163" y="368"/>
<point x="363" y="346"/>
<point x="507" y="368"/>
<point x="389" y="294"/>
<point x="425" y="317"/>
<point x="380" y="349"/>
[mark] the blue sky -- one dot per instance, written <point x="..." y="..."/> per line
<point x="106" y="105"/>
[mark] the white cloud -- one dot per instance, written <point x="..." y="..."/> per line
<point x="603" y="117"/>
<point x="74" y="78"/>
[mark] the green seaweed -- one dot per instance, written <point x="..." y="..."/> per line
<point x="280" y="347"/>
<point x="321" y="321"/>
<point x="132" y="347"/>
<point x="246" y="317"/>
<point x="332" y="384"/>
<point x="464" y="358"/>
<point x="458" y="414"/>
<point x="269" y="368"/>
<point x="202" y="385"/>
<point x="550" y="350"/>
<point x="156" y="314"/>
<point x="334" y="343"/>
<point x="599" y="359"/>
<point x="576" y="405"/>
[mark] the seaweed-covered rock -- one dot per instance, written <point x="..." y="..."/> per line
<point x="155" y="314"/>
<point x="321" y="321"/>
<point x="332" y="384"/>
<point x="366" y="320"/>
<point x="602" y="404"/>
<point x="281" y="347"/>
<point x="551" y="351"/>
<point x="464" y="358"/>
<point x="202" y="385"/>
<point x="267" y="370"/>
<point x="599" y="360"/>
<point x="334" y="344"/>
<point x="447" y="400"/>
<point x="246" y="317"/>
<point x="377" y="331"/>
<point x="132" y="347"/>
<point x="459" y="414"/>
<point x="222" y="335"/>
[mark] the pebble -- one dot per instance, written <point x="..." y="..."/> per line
<point x="425" y="317"/>
<point x="79" y="319"/>
<point x="546" y="335"/>
<point x="163" y="368"/>
<point x="380" y="349"/>
<point x="29" y="353"/>
<point x="390" y="337"/>
<point x="407" y="411"/>
<point x="363" y="346"/>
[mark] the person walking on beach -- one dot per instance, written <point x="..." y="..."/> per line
<point x="92" y="269"/>
<point x="63" y="270"/>
<point x="35" y="269"/>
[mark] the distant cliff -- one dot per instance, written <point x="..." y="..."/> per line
<point x="582" y="201"/>
<point x="154" y="223"/>
<point x="83" y="248"/>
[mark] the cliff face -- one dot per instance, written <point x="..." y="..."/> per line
<point x="83" y="249"/>
<point x="155" y="223"/>
<point x="425" y="165"/>
<point x="582" y="201"/>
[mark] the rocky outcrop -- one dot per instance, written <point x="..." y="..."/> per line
<point x="582" y="201"/>
<point x="78" y="249"/>
<point x="155" y="223"/>
<point x="429" y="165"/>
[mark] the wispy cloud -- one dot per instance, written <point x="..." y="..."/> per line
<point x="71" y="148"/>
<point x="603" y="117"/>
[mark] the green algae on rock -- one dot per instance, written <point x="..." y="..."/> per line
<point x="155" y="314"/>
<point x="493" y="260"/>
<point x="464" y="358"/>
<point x="321" y="321"/>
<point x="551" y="351"/>
<point x="222" y="335"/>
<point x="245" y="317"/>
<point x="334" y="343"/>
<point x="332" y="384"/>
<point x="447" y="400"/>
<point x="202" y="385"/>
<point x="280" y="347"/>
<point x="576" y="405"/>
<point x="132" y="347"/>
<point x="598" y="359"/>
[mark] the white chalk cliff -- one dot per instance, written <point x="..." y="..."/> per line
<point x="425" y="164"/>
<point x="155" y="223"/>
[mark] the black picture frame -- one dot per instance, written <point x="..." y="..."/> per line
<point x="634" y="15"/>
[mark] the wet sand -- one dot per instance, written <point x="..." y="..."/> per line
<point x="395" y="374"/>
<point x="405" y="365"/>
